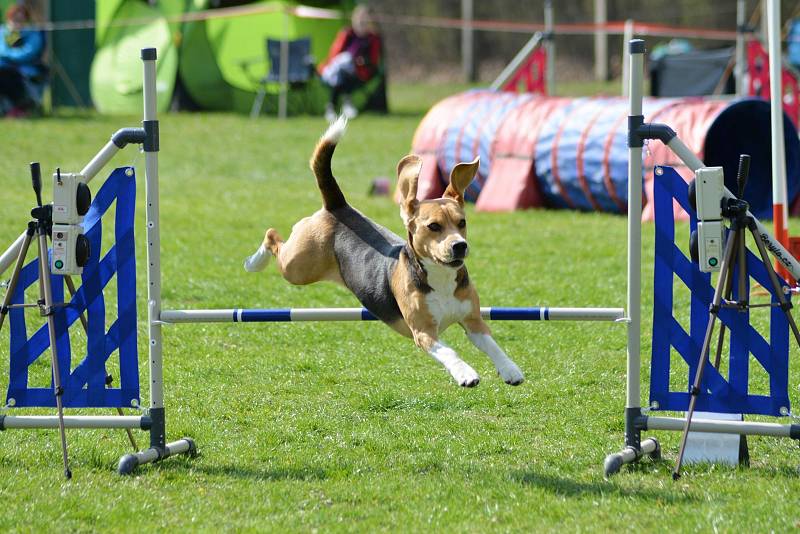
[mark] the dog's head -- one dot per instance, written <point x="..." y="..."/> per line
<point x="437" y="229"/>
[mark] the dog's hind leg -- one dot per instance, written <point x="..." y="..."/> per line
<point x="307" y="256"/>
<point x="258" y="261"/>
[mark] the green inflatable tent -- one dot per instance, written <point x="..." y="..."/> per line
<point x="116" y="75"/>
<point x="218" y="61"/>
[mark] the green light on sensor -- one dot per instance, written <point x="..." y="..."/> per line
<point x="59" y="264"/>
<point x="712" y="262"/>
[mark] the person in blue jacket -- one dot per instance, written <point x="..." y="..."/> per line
<point x="21" y="67"/>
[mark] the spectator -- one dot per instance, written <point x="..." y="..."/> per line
<point x="21" y="67"/>
<point x="354" y="59"/>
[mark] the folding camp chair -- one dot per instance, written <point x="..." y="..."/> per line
<point x="300" y="68"/>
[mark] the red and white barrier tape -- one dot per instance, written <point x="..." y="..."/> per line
<point x="301" y="11"/>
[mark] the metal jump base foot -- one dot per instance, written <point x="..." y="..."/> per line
<point x="614" y="462"/>
<point x="128" y="463"/>
<point x="651" y="447"/>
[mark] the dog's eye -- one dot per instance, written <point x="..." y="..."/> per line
<point x="462" y="223"/>
<point x="435" y="227"/>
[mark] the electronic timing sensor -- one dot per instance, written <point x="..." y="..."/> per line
<point x="709" y="187"/>
<point x="71" y="201"/>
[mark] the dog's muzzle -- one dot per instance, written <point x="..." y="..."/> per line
<point x="459" y="250"/>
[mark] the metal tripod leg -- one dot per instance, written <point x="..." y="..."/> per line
<point x="72" y="291"/>
<point x="741" y="251"/>
<point x="12" y="285"/>
<point x="727" y="291"/>
<point x="128" y="431"/>
<point x="776" y="285"/>
<point x="744" y="297"/>
<point x="47" y="295"/>
<point x="712" y="318"/>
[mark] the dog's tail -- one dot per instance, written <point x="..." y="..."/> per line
<point x="332" y="197"/>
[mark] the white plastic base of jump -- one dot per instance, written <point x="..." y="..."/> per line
<point x="718" y="426"/>
<point x="708" y="447"/>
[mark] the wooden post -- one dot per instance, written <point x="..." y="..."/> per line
<point x="467" y="42"/>
<point x="550" y="47"/>
<point x="741" y="61"/>
<point x="600" y="41"/>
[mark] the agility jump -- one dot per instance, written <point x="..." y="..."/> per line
<point x="637" y="419"/>
<point x="91" y="383"/>
<point x="87" y="385"/>
<point x="153" y="417"/>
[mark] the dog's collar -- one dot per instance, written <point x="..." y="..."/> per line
<point x="462" y="277"/>
<point x="419" y="276"/>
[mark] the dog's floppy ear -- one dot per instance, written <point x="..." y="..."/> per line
<point x="460" y="177"/>
<point x="407" y="181"/>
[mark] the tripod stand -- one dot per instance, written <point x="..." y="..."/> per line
<point x="39" y="228"/>
<point x="735" y="209"/>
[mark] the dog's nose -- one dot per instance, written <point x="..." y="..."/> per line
<point x="460" y="249"/>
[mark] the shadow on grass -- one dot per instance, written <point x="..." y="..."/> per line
<point x="573" y="488"/>
<point x="789" y="472"/>
<point x="234" y="471"/>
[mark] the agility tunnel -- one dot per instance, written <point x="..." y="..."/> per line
<point x="572" y="153"/>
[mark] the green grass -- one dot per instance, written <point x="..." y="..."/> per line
<point x="348" y="427"/>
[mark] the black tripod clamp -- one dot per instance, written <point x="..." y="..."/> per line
<point x="42" y="213"/>
<point x="736" y="208"/>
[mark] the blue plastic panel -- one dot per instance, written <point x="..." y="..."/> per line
<point x="728" y="394"/>
<point x="85" y="382"/>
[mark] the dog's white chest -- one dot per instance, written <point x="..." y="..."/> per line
<point x="443" y="306"/>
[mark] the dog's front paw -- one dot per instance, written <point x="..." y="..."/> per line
<point x="511" y="374"/>
<point x="465" y="375"/>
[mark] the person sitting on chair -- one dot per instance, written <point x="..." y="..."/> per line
<point x="21" y="65"/>
<point x="353" y="60"/>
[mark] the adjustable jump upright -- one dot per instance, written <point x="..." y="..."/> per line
<point x="122" y="334"/>
<point x="635" y="419"/>
<point x="159" y="448"/>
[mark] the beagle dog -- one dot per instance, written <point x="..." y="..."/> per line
<point x="418" y="287"/>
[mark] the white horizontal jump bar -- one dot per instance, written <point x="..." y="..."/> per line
<point x="724" y="427"/>
<point x="70" y="421"/>
<point x="240" y="315"/>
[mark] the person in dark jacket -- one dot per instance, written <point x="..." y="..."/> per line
<point x="21" y="68"/>
<point x="354" y="59"/>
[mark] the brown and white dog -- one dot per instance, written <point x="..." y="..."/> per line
<point x="418" y="287"/>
